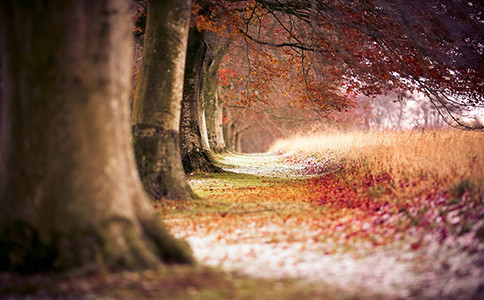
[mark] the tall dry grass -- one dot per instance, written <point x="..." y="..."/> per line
<point x="446" y="156"/>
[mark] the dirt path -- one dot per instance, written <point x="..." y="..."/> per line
<point x="261" y="220"/>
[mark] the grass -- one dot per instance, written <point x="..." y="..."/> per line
<point x="451" y="158"/>
<point x="433" y="181"/>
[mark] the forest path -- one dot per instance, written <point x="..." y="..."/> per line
<point x="260" y="219"/>
<point x="259" y="164"/>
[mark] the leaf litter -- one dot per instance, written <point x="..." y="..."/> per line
<point x="294" y="216"/>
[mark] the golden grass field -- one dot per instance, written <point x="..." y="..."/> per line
<point x="445" y="157"/>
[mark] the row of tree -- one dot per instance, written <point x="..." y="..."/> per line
<point x="71" y="186"/>
<point x="350" y="48"/>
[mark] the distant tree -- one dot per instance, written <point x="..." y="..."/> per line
<point x="70" y="195"/>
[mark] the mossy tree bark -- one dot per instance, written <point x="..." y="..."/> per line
<point x="195" y="157"/>
<point x="216" y="47"/>
<point x="157" y="104"/>
<point x="70" y="195"/>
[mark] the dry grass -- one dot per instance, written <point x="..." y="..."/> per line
<point x="448" y="157"/>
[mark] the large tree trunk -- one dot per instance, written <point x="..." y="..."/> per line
<point x="70" y="195"/>
<point x="195" y="157"/>
<point x="216" y="47"/>
<point x="156" y="113"/>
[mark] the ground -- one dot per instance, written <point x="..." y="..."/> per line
<point x="265" y="219"/>
<point x="267" y="229"/>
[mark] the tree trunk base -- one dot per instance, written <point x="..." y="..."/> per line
<point x="218" y="149"/>
<point x="200" y="162"/>
<point x="159" y="162"/>
<point x="119" y="244"/>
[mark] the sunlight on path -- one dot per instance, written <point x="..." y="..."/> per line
<point x="390" y="272"/>
<point x="261" y="164"/>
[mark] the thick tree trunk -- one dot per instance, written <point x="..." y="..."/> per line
<point x="194" y="157"/>
<point x="216" y="47"/>
<point x="70" y="195"/>
<point x="156" y="113"/>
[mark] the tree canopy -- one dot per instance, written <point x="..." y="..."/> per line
<point x="333" y="50"/>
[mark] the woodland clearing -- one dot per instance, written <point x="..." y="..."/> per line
<point x="347" y="216"/>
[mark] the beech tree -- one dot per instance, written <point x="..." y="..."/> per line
<point x="371" y="47"/>
<point x="157" y="101"/>
<point x="217" y="46"/>
<point x="329" y="51"/>
<point x="196" y="154"/>
<point x="70" y="195"/>
<point x="339" y="49"/>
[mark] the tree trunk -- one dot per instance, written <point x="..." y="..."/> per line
<point x="229" y="131"/>
<point x="216" y="47"/>
<point x="203" y="125"/>
<point x="194" y="157"/>
<point x="215" y="125"/>
<point x="70" y="195"/>
<point x="238" y="142"/>
<point x="156" y="113"/>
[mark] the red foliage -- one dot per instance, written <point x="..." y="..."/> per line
<point x="378" y="209"/>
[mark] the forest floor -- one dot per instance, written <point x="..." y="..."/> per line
<point x="294" y="226"/>
<point x="270" y="218"/>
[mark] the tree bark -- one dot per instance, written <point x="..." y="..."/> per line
<point x="70" y="195"/>
<point x="194" y="157"/>
<point x="238" y="142"/>
<point x="229" y="131"/>
<point x="156" y="113"/>
<point x="216" y="47"/>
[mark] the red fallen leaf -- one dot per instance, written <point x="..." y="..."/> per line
<point x="416" y="245"/>
<point x="224" y="214"/>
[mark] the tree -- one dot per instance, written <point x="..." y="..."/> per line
<point x="342" y="48"/>
<point x="195" y="156"/>
<point x="157" y="104"/>
<point x="329" y="51"/>
<point x="372" y="47"/>
<point x="217" y="47"/>
<point x="70" y="196"/>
